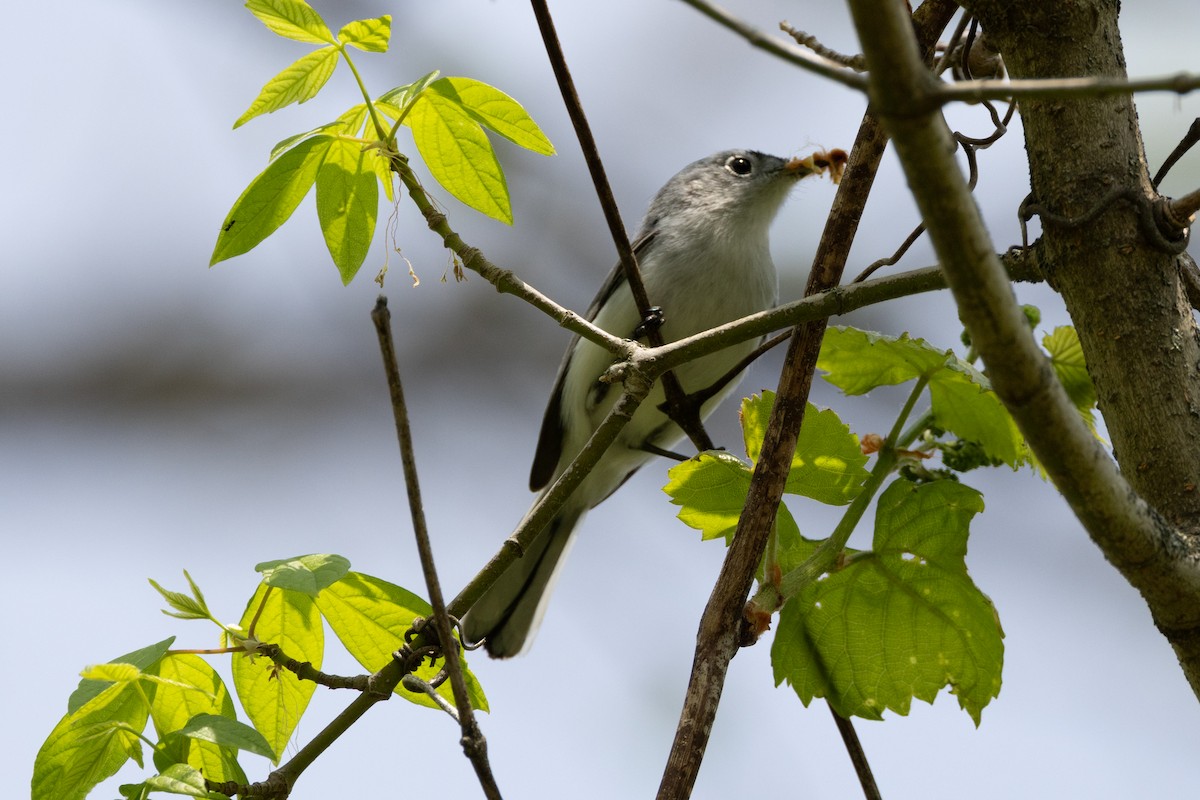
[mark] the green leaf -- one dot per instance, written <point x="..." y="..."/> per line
<point x="711" y="490"/>
<point x="331" y="128"/>
<point x="495" y="110"/>
<point x="111" y="672"/>
<point x="347" y="202"/>
<point x="963" y="402"/>
<point x="193" y="688"/>
<point x="270" y="198"/>
<point x="308" y="574"/>
<point x="91" y="743"/>
<point x="370" y="617"/>
<point x="186" y="607"/>
<point x="459" y="155"/>
<point x="292" y="19"/>
<point x="143" y="659"/>
<point x="371" y="35"/>
<point x="900" y="621"/>
<point x="299" y="82"/>
<point x="404" y="96"/>
<point x="961" y="397"/>
<point x="858" y="361"/>
<point x="828" y="464"/>
<point x="227" y="732"/>
<point x="182" y="779"/>
<point x="275" y="699"/>
<point x="1066" y="356"/>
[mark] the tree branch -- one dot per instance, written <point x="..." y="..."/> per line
<point x="637" y="387"/>
<point x="1062" y="88"/>
<point x="505" y="281"/>
<point x="789" y="52"/>
<point x="721" y="626"/>
<point x="685" y="415"/>
<point x="1133" y="537"/>
<point x="1020" y="265"/>
<point x="473" y="742"/>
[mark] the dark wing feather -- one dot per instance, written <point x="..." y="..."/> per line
<point x="550" y="440"/>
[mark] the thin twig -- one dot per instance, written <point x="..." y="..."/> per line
<point x="552" y="500"/>
<point x="685" y="415"/>
<point x="943" y="94"/>
<point x="1188" y="141"/>
<point x="1061" y="88"/>
<point x="789" y="52"/>
<point x="505" y="281"/>
<point x="305" y="671"/>
<point x="858" y="756"/>
<point x="719" y="636"/>
<point x="1022" y="264"/>
<point x="473" y="741"/>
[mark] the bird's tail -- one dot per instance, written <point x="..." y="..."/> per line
<point x="508" y="614"/>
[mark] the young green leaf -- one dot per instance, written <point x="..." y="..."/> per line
<point x="192" y="687"/>
<point x="186" y="607"/>
<point x="370" y="617"/>
<point x="496" y="111"/>
<point x="308" y="574"/>
<point x="292" y="19"/>
<point x="711" y="490"/>
<point x="858" y="361"/>
<point x="273" y="698"/>
<point x="900" y="621"/>
<point x="397" y="102"/>
<point x="227" y="732"/>
<point x="1066" y="356"/>
<point x="111" y="672"/>
<point x="828" y="464"/>
<point x="459" y="155"/>
<point x="90" y="743"/>
<point x="962" y="401"/>
<point x="182" y="779"/>
<point x="331" y="128"/>
<point x="371" y="35"/>
<point x="961" y="397"/>
<point x="271" y="198"/>
<point x="299" y="82"/>
<point x="347" y="203"/>
<point x="143" y="659"/>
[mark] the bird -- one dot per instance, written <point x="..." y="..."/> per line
<point x="703" y="253"/>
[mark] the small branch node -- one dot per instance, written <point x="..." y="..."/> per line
<point x="855" y="62"/>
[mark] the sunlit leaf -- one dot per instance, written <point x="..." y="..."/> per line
<point x="496" y="111"/>
<point x="274" y="698"/>
<point x="371" y="35"/>
<point x="297" y="83"/>
<point x="309" y="574"/>
<point x="459" y="155"/>
<point x="901" y="621"/>
<point x="292" y="19"/>
<point x="347" y="204"/>
<point x="271" y="198"/>
<point x="370" y="616"/>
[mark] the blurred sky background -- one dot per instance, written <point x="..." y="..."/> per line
<point x="157" y="415"/>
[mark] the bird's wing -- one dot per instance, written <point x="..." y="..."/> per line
<point x="550" y="440"/>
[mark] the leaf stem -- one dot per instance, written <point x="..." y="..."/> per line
<point x="823" y="558"/>
<point x="380" y="128"/>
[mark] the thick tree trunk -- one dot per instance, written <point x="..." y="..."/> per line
<point x="1120" y="283"/>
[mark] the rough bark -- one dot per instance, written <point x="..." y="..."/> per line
<point x="1120" y="284"/>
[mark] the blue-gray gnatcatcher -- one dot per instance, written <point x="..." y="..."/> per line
<point x="704" y="258"/>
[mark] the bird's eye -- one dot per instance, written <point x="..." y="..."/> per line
<point x="739" y="165"/>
